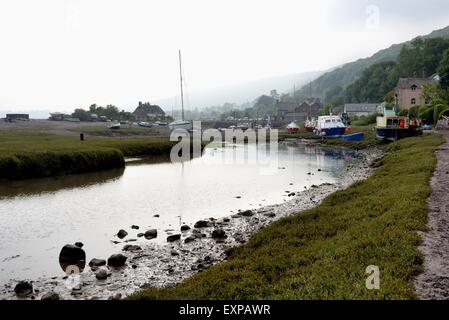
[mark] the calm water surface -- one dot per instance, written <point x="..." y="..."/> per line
<point x="38" y="217"/>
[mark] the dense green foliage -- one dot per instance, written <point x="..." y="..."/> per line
<point x="420" y="56"/>
<point x="110" y="112"/>
<point x="35" y="155"/>
<point x="323" y="253"/>
<point x="443" y="70"/>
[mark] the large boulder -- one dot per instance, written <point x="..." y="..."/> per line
<point x="23" y="289"/>
<point x="122" y="233"/>
<point x="151" y="234"/>
<point x="117" y="260"/>
<point x="185" y="228"/>
<point x="247" y="213"/>
<point x="72" y="255"/>
<point x="101" y="274"/>
<point x="96" y="263"/>
<point x="201" y="224"/>
<point x="218" y="234"/>
<point x="174" y="237"/>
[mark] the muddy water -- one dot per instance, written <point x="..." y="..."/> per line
<point x="38" y="217"/>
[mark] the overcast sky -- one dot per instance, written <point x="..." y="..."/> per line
<point x="61" y="54"/>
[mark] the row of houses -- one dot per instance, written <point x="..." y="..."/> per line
<point x="407" y="94"/>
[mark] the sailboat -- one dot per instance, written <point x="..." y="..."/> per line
<point x="181" y="124"/>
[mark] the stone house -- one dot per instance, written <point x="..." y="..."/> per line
<point x="148" y="112"/>
<point x="408" y="92"/>
<point x="287" y="112"/>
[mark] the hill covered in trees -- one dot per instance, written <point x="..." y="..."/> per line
<point x="331" y="84"/>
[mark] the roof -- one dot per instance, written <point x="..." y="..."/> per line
<point x="407" y="83"/>
<point x="146" y="108"/>
<point x="362" y="107"/>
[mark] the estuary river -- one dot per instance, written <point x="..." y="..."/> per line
<point x="38" y="217"/>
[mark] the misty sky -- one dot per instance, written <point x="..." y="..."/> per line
<point x="61" y="54"/>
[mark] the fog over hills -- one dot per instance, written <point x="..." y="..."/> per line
<point x="239" y="94"/>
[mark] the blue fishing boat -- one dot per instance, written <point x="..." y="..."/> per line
<point x="330" y="127"/>
<point x="354" y="137"/>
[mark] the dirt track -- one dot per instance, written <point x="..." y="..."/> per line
<point x="433" y="283"/>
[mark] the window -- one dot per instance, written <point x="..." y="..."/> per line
<point x="414" y="87"/>
<point x="413" y="101"/>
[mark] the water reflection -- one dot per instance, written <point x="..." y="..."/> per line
<point x="31" y="187"/>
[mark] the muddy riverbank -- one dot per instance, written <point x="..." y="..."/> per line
<point x="166" y="264"/>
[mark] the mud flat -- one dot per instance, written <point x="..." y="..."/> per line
<point x="197" y="248"/>
<point x="433" y="283"/>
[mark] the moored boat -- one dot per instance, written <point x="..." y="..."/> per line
<point x="392" y="127"/>
<point x="310" y="125"/>
<point x="145" y="124"/>
<point x="114" y="125"/>
<point x="292" y="128"/>
<point x="330" y="127"/>
<point x="359" y="136"/>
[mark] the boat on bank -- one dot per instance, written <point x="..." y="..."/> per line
<point x="145" y="124"/>
<point x="330" y="127"/>
<point x="310" y="125"/>
<point x="114" y="126"/>
<point x="359" y="136"/>
<point x="292" y="128"/>
<point x="392" y="127"/>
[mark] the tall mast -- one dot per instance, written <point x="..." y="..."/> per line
<point x="180" y="77"/>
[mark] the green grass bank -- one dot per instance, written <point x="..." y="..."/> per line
<point x="35" y="155"/>
<point x="323" y="253"/>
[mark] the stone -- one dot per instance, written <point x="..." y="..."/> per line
<point x="201" y="224"/>
<point x="51" y="296"/>
<point x="72" y="255"/>
<point x="174" y="237"/>
<point x="247" y="213"/>
<point x="97" y="262"/>
<point x="151" y="234"/>
<point x="79" y="244"/>
<point x="101" y="274"/>
<point x="174" y="253"/>
<point x="23" y="289"/>
<point x="218" y="234"/>
<point x="122" y="233"/>
<point x="156" y="216"/>
<point x="185" y="228"/>
<point x="135" y="227"/>
<point x="117" y="260"/>
<point x="140" y="235"/>
<point x="190" y="239"/>
<point x="131" y="247"/>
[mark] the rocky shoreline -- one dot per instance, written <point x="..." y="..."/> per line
<point x="187" y="252"/>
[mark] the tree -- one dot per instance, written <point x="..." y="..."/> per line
<point x="443" y="70"/>
<point x="81" y="114"/>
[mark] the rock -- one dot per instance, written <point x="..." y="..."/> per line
<point x="79" y="244"/>
<point x="131" y="247"/>
<point x="238" y="197"/>
<point x="118" y="296"/>
<point x="236" y="216"/>
<point x="122" y="233"/>
<point x="319" y="170"/>
<point x="131" y="240"/>
<point x="97" y="263"/>
<point x="50" y="296"/>
<point x="23" y="288"/>
<point x="174" y="253"/>
<point x="135" y="227"/>
<point x="247" y="213"/>
<point x="218" y="234"/>
<point x="292" y="194"/>
<point x="151" y="234"/>
<point x="156" y="216"/>
<point x="140" y="235"/>
<point x="201" y="224"/>
<point x="270" y="214"/>
<point x="185" y="228"/>
<point x="190" y="239"/>
<point x="134" y="266"/>
<point x="174" y="237"/>
<point x="101" y="274"/>
<point x="226" y="219"/>
<point x="117" y="260"/>
<point x="72" y="255"/>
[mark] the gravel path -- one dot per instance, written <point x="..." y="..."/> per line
<point x="433" y="283"/>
